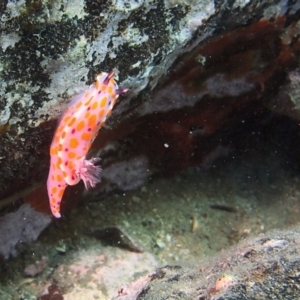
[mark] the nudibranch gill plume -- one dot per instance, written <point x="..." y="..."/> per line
<point x="76" y="131"/>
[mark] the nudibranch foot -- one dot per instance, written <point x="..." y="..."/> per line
<point x="89" y="173"/>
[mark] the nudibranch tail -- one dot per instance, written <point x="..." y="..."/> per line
<point x="77" y="129"/>
<point x="56" y="188"/>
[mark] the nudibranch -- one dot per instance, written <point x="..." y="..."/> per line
<point x="76" y="131"/>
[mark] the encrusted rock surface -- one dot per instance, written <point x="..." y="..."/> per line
<point x="52" y="50"/>
<point x="266" y="267"/>
<point x="105" y="268"/>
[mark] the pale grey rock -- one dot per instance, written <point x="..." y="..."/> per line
<point x="21" y="227"/>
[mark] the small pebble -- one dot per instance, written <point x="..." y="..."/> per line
<point x="37" y="268"/>
<point x="136" y="199"/>
<point x="160" y="244"/>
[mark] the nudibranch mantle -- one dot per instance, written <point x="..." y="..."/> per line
<point x="76" y="131"/>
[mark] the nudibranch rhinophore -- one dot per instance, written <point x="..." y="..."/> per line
<point x="76" y="131"/>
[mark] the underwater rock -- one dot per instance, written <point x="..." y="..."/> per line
<point x="115" y="236"/>
<point x="126" y="175"/>
<point x="194" y="70"/>
<point x="97" y="273"/>
<point x="265" y="267"/>
<point x="36" y="268"/>
<point x="287" y="101"/>
<point x="21" y="227"/>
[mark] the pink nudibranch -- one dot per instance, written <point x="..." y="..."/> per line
<point x="76" y="131"/>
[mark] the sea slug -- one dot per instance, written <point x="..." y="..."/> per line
<point x="76" y="131"/>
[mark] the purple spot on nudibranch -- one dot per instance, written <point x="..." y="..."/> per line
<point x="73" y="131"/>
<point x="89" y="129"/>
<point x="66" y="149"/>
<point x="66" y="163"/>
<point x="88" y="108"/>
